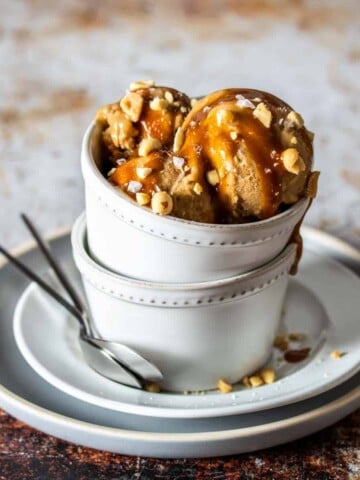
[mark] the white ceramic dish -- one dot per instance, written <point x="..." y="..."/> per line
<point x="194" y="333"/>
<point x="133" y="241"/>
<point x="29" y="398"/>
<point x="62" y="363"/>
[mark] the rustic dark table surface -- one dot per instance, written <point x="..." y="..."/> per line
<point x="332" y="454"/>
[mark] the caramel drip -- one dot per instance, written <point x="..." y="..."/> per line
<point x="214" y="146"/>
<point x="127" y="172"/>
<point x="295" y="356"/>
<point x="161" y="124"/>
<point x="297" y="239"/>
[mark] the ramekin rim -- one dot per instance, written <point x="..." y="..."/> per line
<point x="78" y="239"/>
<point x="105" y="185"/>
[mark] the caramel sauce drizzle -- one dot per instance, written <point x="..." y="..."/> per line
<point x="261" y="142"/>
<point x="295" y="356"/>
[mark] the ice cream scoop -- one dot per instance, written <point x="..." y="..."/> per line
<point x="142" y="121"/>
<point x="237" y="155"/>
<point x="253" y="150"/>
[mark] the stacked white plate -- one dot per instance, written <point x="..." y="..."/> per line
<point x="49" y="386"/>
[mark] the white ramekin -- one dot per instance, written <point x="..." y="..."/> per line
<point x="196" y="333"/>
<point x="133" y="241"/>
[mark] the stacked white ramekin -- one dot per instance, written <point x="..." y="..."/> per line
<point x="203" y="302"/>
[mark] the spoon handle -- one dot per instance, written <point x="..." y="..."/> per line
<point x="56" y="266"/>
<point x="58" y="270"/>
<point x="35" y="278"/>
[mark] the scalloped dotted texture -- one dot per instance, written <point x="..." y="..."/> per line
<point x="187" y="240"/>
<point x="189" y="302"/>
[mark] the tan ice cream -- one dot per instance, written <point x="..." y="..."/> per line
<point x="237" y="155"/>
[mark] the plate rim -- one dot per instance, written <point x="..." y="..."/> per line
<point x="23" y="405"/>
<point x="178" y="412"/>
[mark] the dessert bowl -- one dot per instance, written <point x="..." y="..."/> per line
<point x="133" y="241"/>
<point x="196" y="333"/>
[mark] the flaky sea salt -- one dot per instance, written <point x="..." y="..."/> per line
<point x="134" y="187"/>
<point x="120" y="161"/>
<point x="243" y="102"/>
<point x="178" y="162"/>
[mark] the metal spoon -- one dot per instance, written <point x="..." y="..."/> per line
<point x="111" y="359"/>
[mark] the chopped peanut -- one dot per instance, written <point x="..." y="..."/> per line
<point x="162" y="203"/>
<point x="292" y="161"/>
<point x="336" y="355"/>
<point x="245" y="381"/>
<point x="143" y="172"/>
<point x="132" y="105"/>
<point x="147" y="145"/>
<point x="178" y="139"/>
<point x="158" y="103"/>
<point x="295" y="118"/>
<point x="256" y="381"/>
<point x="268" y="375"/>
<point x="212" y="177"/>
<point x="169" y="96"/>
<point x="263" y="114"/>
<point x="224" y="386"/>
<point x="198" y="188"/>
<point x="122" y="131"/>
<point x="141" y="84"/>
<point x="143" y="198"/>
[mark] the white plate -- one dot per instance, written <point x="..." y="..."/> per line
<point x="326" y="319"/>
<point x="28" y="397"/>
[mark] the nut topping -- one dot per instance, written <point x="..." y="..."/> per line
<point x="143" y="198"/>
<point x="178" y="139"/>
<point x="141" y="84"/>
<point x="212" y="177"/>
<point x="263" y="114"/>
<point x="169" y="96"/>
<point x="256" y="381"/>
<point x="122" y="131"/>
<point x="147" y="145"/>
<point x="268" y="375"/>
<point x="224" y="386"/>
<point x="295" y="119"/>
<point x="161" y="203"/>
<point x="198" y="188"/>
<point x="158" y="104"/>
<point x="143" y="172"/>
<point x="132" y="105"/>
<point x="292" y="161"/>
<point x="335" y="355"/>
